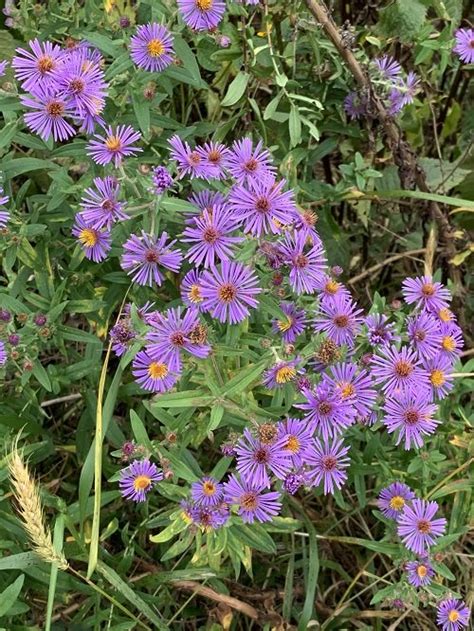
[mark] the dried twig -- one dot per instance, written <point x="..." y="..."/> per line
<point x="371" y="270"/>
<point x="207" y="592"/>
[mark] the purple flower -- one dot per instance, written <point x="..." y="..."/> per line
<point x="328" y="288"/>
<point x="48" y="117"/>
<point x="380" y="331"/>
<point x="294" y="481"/>
<point x="355" y="105"/>
<point x="161" y="180"/>
<point x="138" y="479"/>
<point x="3" y="198"/>
<point x="398" y="370"/>
<point x="306" y="268"/>
<point x="207" y="492"/>
<point x="223" y="40"/>
<point x="298" y="436"/>
<point x="255" y="459"/>
<point x="3" y="354"/>
<point x="465" y="45"/>
<point x="216" y="157"/>
<point x="210" y="517"/>
<point x="154" y="375"/>
<point x="151" y="47"/>
<point x="121" y="334"/>
<point x="417" y="528"/>
<point x="40" y="319"/>
<point x="249" y="163"/>
<point x="229" y="291"/>
<point x="189" y="161"/>
<point x="440" y="376"/>
<point x="101" y="207"/>
<point x="327" y="412"/>
<point x="4" y="214"/>
<point x="14" y="339"/>
<point x="281" y="373"/>
<point x="393" y="499"/>
<point x="254" y="503"/>
<point x="419" y="573"/>
<point x="262" y="205"/>
<point x="452" y="614"/>
<point x="340" y="319"/>
<point x="354" y="385"/>
<point x="191" y="290"/>
<point x="95" y="243"/>
<point x="210" y="236"/>
<point x="145" y="255"/>
<point x="114" y="146"/>
<point x="304" y="222"/>
<point x="408" y="89"/>
<point x="451" y="341"/>
<point x="5" y="315"/>
<point x="328" y="463"/>
<point x="425" y="293"/>
<point x="201" y="15"/>
<point x="292" y="325"/>
<point x="34" y="68"/>
<point x="3" y="67"/>
<point x="206" y="200"/>
<point x="410" y="414"/>
<point x="172" y="333"/>
<point x="424" y="333"/>
<point x="387" y="67"/>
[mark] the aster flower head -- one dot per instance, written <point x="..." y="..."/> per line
<point x="465" y="46"/>
<point x="151" y="48"/>
<point x="121" y="335"/>
<point x="387" y="67"/>
<point x="3" y="67"/>
<point x="393" y="498"/>
<point x="306" y="266"/>
<point x="100" y="205"/>
<point x="229" y="291"/>
<point x="201" y="15"/>
<point x="425" y="293"/>
<point x="34" y="68"/>
<point x="327" y="412"/>
<point x="354" y="385"/>
<point x="452" y="341"/>
<point x="247" y="162"/>
<point x="48" y="117"/>
<point x="3" y="354"/>
<point x="154" y="375"/>
<point x="114" y="146"/>
<point x="411" y="416"/>
<point x="190" y="288"/>
<point x="452" y="614"/>
<point x="298" y="436"/>
<point x="95" y="243"/>
<point x="295" y="480"/>
<point x="207" y="492"/>
<point x="398" y="371"/>
<point x="254" y="502"/>
<point x="328" y="463"/>
<point x="4" y="199"/>
<point x="440" y="375"/>
<point x="328" y="288"/>
<point x="340" y="319"/>
<point x="257" y="460"/>
<point x="417" y="526"/>
<point x="419" y="573"/>
<point x="146" y="255"/>
<point x="216" y="156"/>
<point x="281" y="373"/>
<point x="425" y="335"/>
<point x="262" y="205"/>
<point x="161" y="180"/>
<point x="210" y="518"/>
<point x="380" y="331"/>
<point x="4" y="218"/>
<point x="304" y="222"/>
<point x="210" y="237"/>
<point x="189" y="161"/>
<point x="138" y="479"/>
<point x="355" y="105"/>
<point x="292" y="325"/>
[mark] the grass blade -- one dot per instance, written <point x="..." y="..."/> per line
<point x="58" y="546"/>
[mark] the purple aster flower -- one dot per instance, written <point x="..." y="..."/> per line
<point x="191" y="290"/>
<point x="223" y="41"/>
<point x="3" y="354"/>
<point x="292" y="325"/>
<point x="5" y="315"/>
<point x="354" y="385"/>
<point x="138" y="479"/>
<point x="294" y="481"/>
<point x="3" y="67"/>
<point x="216" y="157"/>
<point x="380" y="331"/>
<point x="253" y="501"/>
<point x="207" y="492"/>
<point x="440" y="376"/>
<point x="95" y="243"/>
<point x="299" y="440"/>
<point x="328" y="288"/>
<point x="387" y="67"/>
<point x="340" y="319"/>
<point x="465" y="45"/>
<point x="114" y="146"/>
<point x="424" y="333"/>
<point x="206" y="200"/>
<point x="452" y="341"/>
<point x="229" y="291"/>
<point x="201" y="15"/>
<point x="444" y="316"/>
<point x="154" y="375"/>
<point x="328" y="463"/>
<point x="40" y="319"/>
<point x="151" y="48"/>
<point x="417" y="527"/>
<point x="189" y="161"/>
<point x="452" y="614"/>
<point x="121" y="334"/>
<point x="3" y="198"/>
<point x="210" y="236"/>
<point x="34" y="68"/>
<point x="161" y="180"/>
<point x="145" y="255"/>
<point x="249" y="163"/>
<point x="408" y="89"/>
<point x="281" y="373"/>
<point x="210" y="517"/>
<point x="101" y="208"/>
<point x="355" y="105"/>
<point x="48" y="117"/>
<point x="425" y="293"/>
<point x="273" y="255"/>
<point x="4" y="214"/>
<point x="410" y="414"/>
<point x="419" y="573"/>
<point x="14" y="339"/>
<point x="399" y="370"/>
<point x="393" y="499"/>
<point x="262" y="205"/>
<point x="395" y="101"/>
<point x="255" y="459"/>
<point x="172" y="332"/>
<point x="306" y="268"/>
<point x="304" y="222"/>
<point x="327" y="412"/>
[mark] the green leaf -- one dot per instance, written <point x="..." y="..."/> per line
<point x="272" y="106"/>
<point x="58" y="546"/>
<point x="236" y="89"/>
<point x="403" y="19"/>
<point x="294" y="124"/>
<point x="41" y="375"/>
<point x="141" y="107"/>
<point x="139" y="431"/>
<point x="177" y="526"/>
<point x="19" y="561"/>
<point x="185" y="399"/>
<point x="243" y="379"/>
<point x="186" y="55"/>
<point x="255" y="537"/>
<point x="10" y="594"/>
<point x="13" y="168"/>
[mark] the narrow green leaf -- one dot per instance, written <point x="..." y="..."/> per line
<point x="10" y="594"/>
<point x="58" y="546"/>
<point x="236" y="89"/>
<point x="294" y="124"/>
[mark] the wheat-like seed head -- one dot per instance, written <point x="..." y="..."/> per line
<point x="31" y="511"/>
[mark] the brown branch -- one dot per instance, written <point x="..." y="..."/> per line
<point x="207" y="592"/>
<point x="369" y="271"/>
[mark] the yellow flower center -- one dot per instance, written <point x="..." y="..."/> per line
<point x="293" y="444"/>
<point x="422" y="571"/>
<point x="88" y="237"/>
<point x="285" y="374"/>
<point x="448" y="343"/>
<point x="284" y="325"/>
<point x="155" y="48"/>
<point x="397" y="502"/>
<point x="208" y="488"/>
<point x="437" y="378"/>
<point x="194" y="294"/>
<point x="332" y="286"/>
<point x="204" y="5"/>
<point x="347" y="389"/>
<point x="157" y="370"/>
<point x="113" y="143"/>
<point x="453" y="615"/>
<point x="445" y="315"/>
<point x="141" y="482"/>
